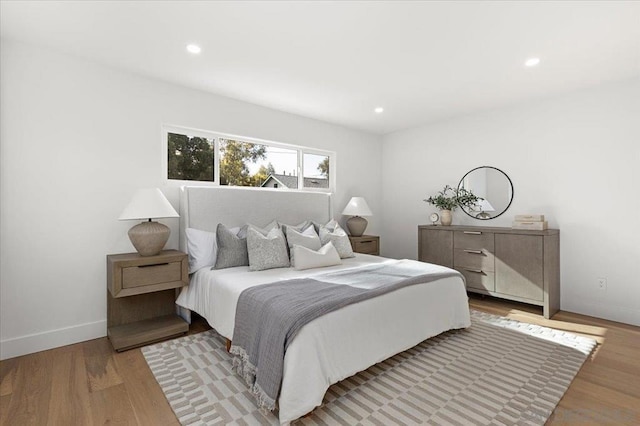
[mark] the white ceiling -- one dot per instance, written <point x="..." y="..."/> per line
<point x="336" y="61"/>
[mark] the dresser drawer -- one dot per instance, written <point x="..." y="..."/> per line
<point x="478" y="279"/>
<point x="366" y="246"/>
<point x="473" y="240"/>
<point x="474" y="259"/>
<point x="137" y="276"/>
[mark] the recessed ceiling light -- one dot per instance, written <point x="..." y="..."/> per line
<point x="193" y="48"/>
<point x="378" y="110"/>
<point x="532" y="62"/>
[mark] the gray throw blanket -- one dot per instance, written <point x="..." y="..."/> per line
<point x="269" y="316"/>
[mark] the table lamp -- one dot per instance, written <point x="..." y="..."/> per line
<point x="148" y="237"/>
<point x="356" y="208"/>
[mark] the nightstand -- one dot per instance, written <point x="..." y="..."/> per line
<point x="141" y="297"/>
<point x="367" y="244"/>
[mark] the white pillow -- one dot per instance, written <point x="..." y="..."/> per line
<point x="308" y="238"/>
<point x="307" y="259"/>
<point x="202" y="249"/>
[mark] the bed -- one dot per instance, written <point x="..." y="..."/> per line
<point x="332" y="347"/>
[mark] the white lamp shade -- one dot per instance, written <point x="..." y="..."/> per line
<point x="357" y="207"/>
<point x="148" y="203"/>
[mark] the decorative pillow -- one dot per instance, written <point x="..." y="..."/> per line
<point x="306" y="258"/>
<point x="331" y="225"/>
<point x="264" y="230"/>
<point x="232" y="249"/>
<point x="202" y="249"/>
<point x="308" y="238"/>
<point x="266" y="251"/>
<point x="334" y="233"/>
<point x="300" y="227"/>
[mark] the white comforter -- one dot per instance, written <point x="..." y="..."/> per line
<point x="340" y="344"/>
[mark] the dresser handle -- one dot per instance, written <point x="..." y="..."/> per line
<point x="477" y="271"/>
<point x="366" y="242"/>
<point x="473" y="232"/>
<point x="473" y="251"/>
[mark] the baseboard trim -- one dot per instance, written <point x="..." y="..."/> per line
<point x="37" y="342"/>
<point x="611" y="313"/>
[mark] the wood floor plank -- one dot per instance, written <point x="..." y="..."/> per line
<point x="7" y="376"/>
<point x="100" y="365"/>
<point x="4" y="409"/>
<point x="112" y="406"/>
<point x="70" y="403"/>
<point x="146" y="396"/>
<point x="29" y="404"/>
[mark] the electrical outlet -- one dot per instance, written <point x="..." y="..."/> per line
<point x="602" y="283"/>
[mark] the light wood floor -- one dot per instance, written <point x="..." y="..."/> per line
<point x="90" y="384"/>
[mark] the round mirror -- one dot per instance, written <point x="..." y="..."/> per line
<point x="493" y="186"/>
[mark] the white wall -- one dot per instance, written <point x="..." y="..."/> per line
<point x="575" y="159"/>
<point x="77" y="139"/>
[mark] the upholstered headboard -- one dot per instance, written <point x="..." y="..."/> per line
<point x="204" y="207"/>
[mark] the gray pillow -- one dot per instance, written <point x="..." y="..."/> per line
<point x="338" y="237"/>
<point x="264" y="230"/>
<point x="266" y="251"/>
<point x="232" y="249"/>
<point x="308" y="239"/>
<point x="300" y="227"/>
<point x="331" y="225"/>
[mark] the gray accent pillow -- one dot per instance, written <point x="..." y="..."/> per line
<point x="300" y="227"/>
<point x="264" y="230"/>
<point x="232" y="249"/>
<point x="308" y="239"/>
<point x="334" y="233"/>
<point x="331" y="225"/>
<point x="266" y="251"/>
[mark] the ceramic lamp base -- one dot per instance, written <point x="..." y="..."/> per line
<point x="356" y="226"/>
<point x="149" y="238"/>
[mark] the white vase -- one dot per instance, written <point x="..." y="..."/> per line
<point x="445" y="217"/>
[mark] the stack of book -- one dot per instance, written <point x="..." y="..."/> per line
<point x="534" y="222"/>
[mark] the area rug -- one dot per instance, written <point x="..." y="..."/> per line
<point x="498" y="371"/>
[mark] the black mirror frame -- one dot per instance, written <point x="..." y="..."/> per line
<point x="510" y="201"/>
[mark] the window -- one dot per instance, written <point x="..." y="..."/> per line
<point x="214" y="158"/>
<point x="190" y="157"/>
<point x="316" y="170"/>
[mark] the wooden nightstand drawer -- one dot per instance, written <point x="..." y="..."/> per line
<point x="131" y="274"/>
<point x="366" y="244"/>
<point x="137" y="276"/>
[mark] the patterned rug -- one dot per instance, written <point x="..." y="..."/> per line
<point x="498" y="371"/>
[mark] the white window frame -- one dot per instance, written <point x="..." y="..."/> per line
<point x="216" y="136"/>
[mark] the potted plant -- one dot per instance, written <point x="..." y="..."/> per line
<point x="450" y="199"/>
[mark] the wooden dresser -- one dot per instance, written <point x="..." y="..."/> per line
<point x="502" y="262"/>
